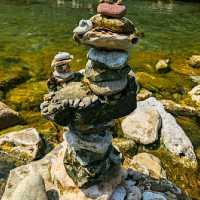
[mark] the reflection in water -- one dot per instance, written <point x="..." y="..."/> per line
<point x="77" y="4"/>
<point x="163" y="5"/>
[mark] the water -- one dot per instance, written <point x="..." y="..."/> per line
<point x="32" y="31"/>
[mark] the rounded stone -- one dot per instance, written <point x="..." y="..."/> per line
<point x="63" y="56"/>
<point x="111" y="10"/>
<point x="83" y="27"/>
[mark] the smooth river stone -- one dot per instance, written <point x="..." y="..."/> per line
<point x="107" y="40"/>
<point x="83" y="27"/>
<point x="111" y="10"/>
<point x="63" y="56"/>
<point x="124" y="25"/>
<point x="110" y="59"/>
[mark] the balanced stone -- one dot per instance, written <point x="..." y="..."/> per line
<point x="109" y="59"/>
<point x="123" y="26"/>
<point x="83" y="27"/>
<point x="63" y="56"/>
<point x="96" y="74"/>
<point x="112" y="10"/>
<point x="104" y="39"/>
<point x="97" y="143"/>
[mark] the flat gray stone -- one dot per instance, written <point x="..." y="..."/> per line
<point x="119" y="193"/>
<point x="111" y="59"/>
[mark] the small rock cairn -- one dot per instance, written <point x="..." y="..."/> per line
<point x="87" y="101"/>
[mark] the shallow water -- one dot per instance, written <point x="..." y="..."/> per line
<point x="32" y="31"/>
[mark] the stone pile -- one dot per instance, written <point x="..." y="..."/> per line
<point x="88" y="102"/>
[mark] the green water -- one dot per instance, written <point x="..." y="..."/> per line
<point x="32" y="31"/>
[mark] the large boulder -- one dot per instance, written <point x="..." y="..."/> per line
<point x="148" y="164"/>
<point x="25" y="144"/>
<point x="8" y="117"/>
<point x="172" y="135"/>
<point x="142" y="125"/>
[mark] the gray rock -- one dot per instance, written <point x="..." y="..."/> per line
<point x="30" y="188"/>
<point x="163" y="66"/>
<point x="148" y="195"/>
<point x="63" y="56"/>
<point x="119" y="193"/>
<point x="108" y="40"/>
<point x="172" y="135"/>
<point x="63" y="76"/>
<point x="83" y="27"/>
<point x="195" y="94"/>
<point x="108" y="88"/>
<point x="110" y="59"/>
<point x="134" y="193"/>
<point x="142" y="125"/>
<point x="148" y="164"/>
<point x="97" y="143"/>
<point x="26" y="144"/>
<point x="194" y="61"/>
<point x="8" y="117"/>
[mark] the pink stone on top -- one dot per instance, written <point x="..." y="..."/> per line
<point x="112" y="10"/>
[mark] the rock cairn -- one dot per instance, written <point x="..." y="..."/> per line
<point x="88" y="101"/>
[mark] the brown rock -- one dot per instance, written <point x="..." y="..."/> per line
<point x="8" y="117"/>
<point x="111" y="10"/>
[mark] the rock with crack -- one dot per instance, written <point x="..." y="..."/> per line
<point x="142" y="125"/>
<point x="8" y="117"/>
<point x="25" y="144"/>
<point x="172" y="135"/>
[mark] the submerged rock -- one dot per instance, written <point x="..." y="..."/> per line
<point x="112" y="10"/>
<point x="194" y="61"/>
<point x="195" y="94"/>
<point x="172" y="135"/>
<point x="110" y="59"/>
<point x="123" y="26"/>
<point x="163" y="66"/>
<point x="148" y="164"/>
<point x="142" y="125"/>
<point x="8" y="117"/>
<point x="25" y="144"/>
<point x="104" y="39"/>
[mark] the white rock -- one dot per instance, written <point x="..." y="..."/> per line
<point x="172" y="135"/>
<point x="148" y="164"/>
<point x="163" y="65"/>
<point x="194" y="61"/>
<point x="26" y="142"/>
<point x="195" y="94"/>
<point x="153" y="196"/>
<point x="83" y="27"/>
<point x="142" y="125"/>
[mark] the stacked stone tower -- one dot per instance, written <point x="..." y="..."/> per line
<point x="88" y="101"/>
